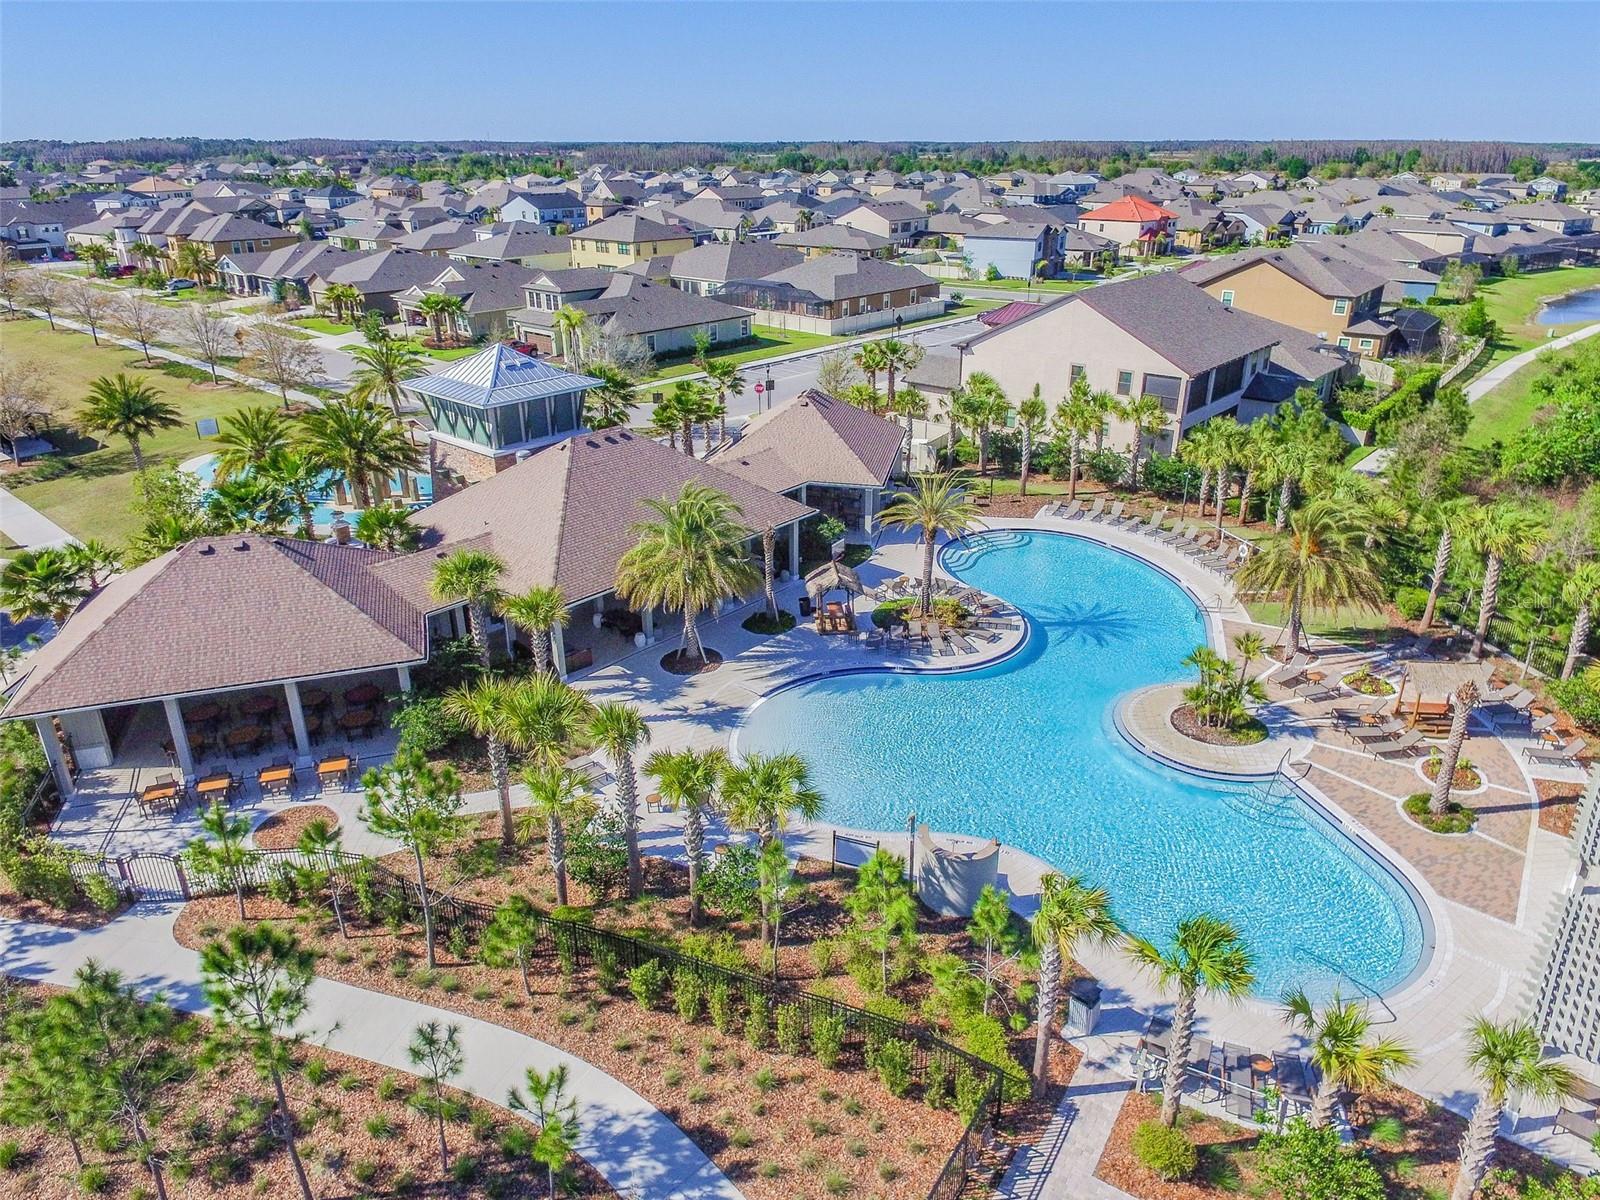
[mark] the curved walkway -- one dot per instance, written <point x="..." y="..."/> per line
<point x="1493" y="378"/>
<point x="638" y="1150"/>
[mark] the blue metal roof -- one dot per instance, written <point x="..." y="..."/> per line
<point x="498" y="375"/>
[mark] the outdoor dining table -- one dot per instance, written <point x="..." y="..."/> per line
<point x="219" y="784"/>
<point x="276" y="777"/>
<point x="362" y="694"/>
<point x="357" y="718"/>
<point x="204" y="714"/>
<point x="314" y="697"/>
<point x="160" y="793"/>
<point x="1262" y="1065"/>
<point x="258" y="706"/>
<point x="334" y="768"/>
<point x="244" y="735"/>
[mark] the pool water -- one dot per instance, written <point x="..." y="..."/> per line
<point x="326" y="507"/>
<point x="1579" y="306"/>
<point x="1025" y="750"/>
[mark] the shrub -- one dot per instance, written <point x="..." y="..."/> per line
<point x="1164" y="1151"/>
<point x="464" y="1169"/>
<point x="970" y="1091"/>
<point x="1388" y="1131"/>
<point x="825" y="951"/>
<point x="758" y="1021"/>
<point x="827" y="1038"/>
<point x="94" y="1179"/>
<point x="1312" y="1164"/>
<point x="687" y="992"/>
<point x="761" y="623"/>
<point x="1457" y="818"/>
<point x="1167" y="477"/>
<point x="1580" y="697"/>
<point x="719" y="999"/>
<point x="1106" y="466"/>
<point x="936" y="1082"/>
<point x="317" y="1070"/>
<point x="766" y="1079"/>
<point x="424" y="725"/>
<point x="10" y="1155"/>
<point x="1411" y="601"/>
<point x="648" y="983"/>
<point x="892" y="1062"/>
<point x="364" y="1171"/>
<point x="791" y="1029"/>
<point x="742" y="1138"/>
<point x="984" y="1037"/>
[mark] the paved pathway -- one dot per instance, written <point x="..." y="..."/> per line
<point x="628" y="1140"/>
<point x="1062" y="1165"/>
<point x="1493" y="378"/>
<point x="27" y="526"/>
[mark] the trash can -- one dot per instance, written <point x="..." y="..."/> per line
<point x="1083" y="1008"/>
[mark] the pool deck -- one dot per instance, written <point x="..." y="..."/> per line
<point x="1492" y="895"/>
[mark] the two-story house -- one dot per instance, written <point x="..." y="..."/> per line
<point x="896" y="220"/>
<point x="1136" y="225"/>
<point x="625" y="239"/>
<point x="547" y="210"/>
<point x="1333" y="298"/>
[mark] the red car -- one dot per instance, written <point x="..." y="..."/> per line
<point x="523" y="348"/>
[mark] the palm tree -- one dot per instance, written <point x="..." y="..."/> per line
<point x="1030" y="420"/>
<point x="769" y="587"/>
<point x="538" y="610"/>
<point x="381" y="369"/>
<point x="691" y="404"/>
<point x="1322" y="561"/>
<point x="1107" y="405"/>
<point x="300" y="481"/>
<point x="121" y="407"/>
<point x="558" y="795"/>
<point x="1305" y="446"/>
<point x="762" y="792"/>
<point x="688" y="780"/>
<point x="248" y="436"/>
<point x="723" y="376"/>
<point x="986" y="406"/>
<point x="898" y="358"/>
<point x="544" y="718"/>
<point x="1465" y="700"/>
<point x="870" y="359"/>
<point x="98" y="255"/>
<point x="1582" y="590"/>
<point x="1255" y="450"/>
<point x="249" y="504"/>
<point x="471" y="577"/>
<point x="1229" y="449"/>
<point x="1506" y="1058"/>
<point x="569" y="323"/>
<point x="1076" y="419"/>
<point x="1070" y="912"/>
<point x="345" y="299"/>
<point x="690" y="558"/>
<point x="1345" y="1057"/>
<point x="480" y="707"/>
<point x="42" y="583"/>
<point x="437" y="307"/>
<point x="619" y="730"/>
<point x="194" y="261"/>
<point x="387" y="527"/>
<point x="94" y="560"/>
<point x="1146" y="415"/>
<point x="1500" y="532"/>
<point x="610" y="402"/>
<point x="1201" y="447"/>
<point x="1452" y="516"/>
<point x="936" y="506"/>
<point x="1207" y="955"/>
<point x="359" y="442"/>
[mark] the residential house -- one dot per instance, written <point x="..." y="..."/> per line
<point x="330" y="198"/>
<point x="283" y="272"/>
<point x="1552" y="217"/>
<point x="438" y="239"/>
<point x="625" y="239"/>
<point x="378" y="277"/>
<point x="705" y="270"/>
<point x="1331" y="298"/>
<point x="394" y="187"/>
<point x="1013" y="250"/>
<point x="547" y="292"/>
<point x="823" y="240"/>
<point x="161" y="189"/>
<point x="489" y="294"/>
<point x="1199" y="225"/>
<point x="662" y="318"/>
<point x="119" y="229"/>
<point x="839" y="294"/>
<point x="1073" y="185"/>
<point x="1410" y="269"/>
<point x="376" y="233"/>
<point x="896" y="220"/>
<point x="1136" y="225"/>
<point x="1262" y="221"/>
<point x="518" y="242"/>
<point x="1085" y="251"/>
<point x="228" y="234"/>
<point x="1156" y="335"/>
<point x="548" y="210"/>
<point x="1545" y="186"/>
<point x="31" y="229"/>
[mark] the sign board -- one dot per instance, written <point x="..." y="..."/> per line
<point x="206" y="427"/>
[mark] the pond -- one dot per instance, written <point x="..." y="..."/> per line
<point x="1579" y="306"/>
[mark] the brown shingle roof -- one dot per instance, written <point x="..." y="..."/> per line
<point x="814" y="439"/>
<point x="225" y="612"/>
<point x="566" y="515"/>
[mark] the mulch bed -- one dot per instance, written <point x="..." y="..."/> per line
<point x="1421" y="1163"/>
<point x="81" y="915"/>
<point x="282" y="830"/>
<point x="1558" y="805"/>
<point x="682" y="663"/>
<point x="1186" y="723"/>
<point x="221" y="1147"/>
<point x="1465" y="777"/>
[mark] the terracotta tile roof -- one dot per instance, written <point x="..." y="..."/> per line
<point x="225" y="612"/>
<point x="1131" y="208"/>
<point x="565" y="515"/>
<point x="814" y="439"/>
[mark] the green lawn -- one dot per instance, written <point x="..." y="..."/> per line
<point x="767" y="343"/>
<point x="91" y="499"/>
<point x="197" y="295"/>
<point x="1507" y="409"/>
<point x="970" y="306"/>
<point x="323" y="325"/>
<point x="1020" y="285"/>
<point x="1348" y="626"/>
<point x="449" y="355"/>
<point x="1515" y="302"/>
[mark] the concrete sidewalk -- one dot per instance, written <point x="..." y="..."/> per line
<point x="27" y="526"/>
<point x="1493" y="378"/>
<point x="638" y="1150"/>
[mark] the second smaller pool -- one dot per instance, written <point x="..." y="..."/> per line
<point x="327" y="507"/>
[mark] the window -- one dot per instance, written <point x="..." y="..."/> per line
<point x="1341" y="307"/>
<point x="1227" y="297"/>
<point x="1077" y="372"/>
<point x="1366" y="343"/>
<point x="712" y="335"/>
<point x="1124" y="383"/>
<point x="650" y="343"/>
<point x="236" y="247"/>
<point x="1344" y="343"/>
<point x="888" y="300"/>
<point x="744" y="327"/>
<point x="844" y="308"/>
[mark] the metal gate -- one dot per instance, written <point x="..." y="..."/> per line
<point x="153" y="876"/>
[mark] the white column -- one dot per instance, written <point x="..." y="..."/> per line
<point x="794" y="549"/>
<point x="404" y="673"/>
<point x="180" y="737"/>
<point x="648" y="616"/>
<point x="297" y="720"/>
<point x="869" y="504"/>
<point x="52" y="752"/>
<point x="511" y="639"/>
<point x="558" y="651"/>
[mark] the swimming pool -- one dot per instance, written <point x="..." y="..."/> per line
<point x="1025" y="750"/>
<point x="326" y="508"/>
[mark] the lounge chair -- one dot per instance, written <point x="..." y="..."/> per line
<point x="960" y="642"/>
<point x="1565" y="754"/>
<point x="1358" y="714"/>
<point x="1316" y="693"/>
<point x="1153" y="526"/>
<point x="1182" y="531"/>
<point x="1237" y="1074"/>
<point x="1575" y="1123"/>
<point x="1071" y="512"/>
<point x="1112" y="515"/>
<point x="1095" y="509"/>
<point x="1048" y="510"/>
<point x="1129" y="521"/>
<point x="1391" y="728"/>
<point x="1404" y="744"/>
<point x="1542" y="724"/>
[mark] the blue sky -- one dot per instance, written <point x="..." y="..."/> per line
<point x="771" y="70"/>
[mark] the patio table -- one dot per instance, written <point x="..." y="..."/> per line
<point x="277" y="773"/>
<point x="244" y="735"/>
<point x="204" y="714"/>
<point x="362" y="694"/>
<point x="159" y="793"/>
<point x="219" y="784"/>
<point x="314" y="697"/>
<point x="337" y="768"/>
<point x="357" y="719"/>
<point x="259" y="706"/>
<point x="1262" y="1064"/>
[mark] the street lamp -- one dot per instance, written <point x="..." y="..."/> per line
<point x="772" y="391"/>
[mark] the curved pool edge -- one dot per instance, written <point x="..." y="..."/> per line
<point x="1410" y="883"/>
<point x="1341" y="824"/>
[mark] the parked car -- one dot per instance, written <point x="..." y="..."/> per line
<point x="123" y="271"/>
<point x="527" y="348"/>
<point x="180" y="285"/>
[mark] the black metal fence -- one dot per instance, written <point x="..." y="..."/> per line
<point x="379" y="893"/>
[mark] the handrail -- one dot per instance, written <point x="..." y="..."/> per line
<point x="1366" y="991"/>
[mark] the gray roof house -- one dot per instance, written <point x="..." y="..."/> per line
<point x="839" y="293"/>
<point x="705" y="269"/>
<point x="489" y="293"/>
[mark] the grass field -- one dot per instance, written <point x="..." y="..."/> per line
<point x="92" y="498"/>
<point x="1515" y="303"/>
<point x="1020" y="285"/>
<point x="323" y="325"/>
<point x="768" y="343"/>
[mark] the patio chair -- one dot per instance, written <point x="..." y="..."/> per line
<point x="1316" y="693"/>
<point x="1236" y="1073"/>
<point x="960" y="642"/>
<point x="1577" y="1123"/>
<point x="1392" y="727"/>
<point x="1179" y="532"/>
<point x="1404" y="744"/>
<point x="1112" y="515"/>
<point x="1201" y="1065"/>
<point x="1071" y="512"/>
<point x="1542" y="724"/>
<point x="1098" y="507"/>
<point x="1152" y="527"/>
<point x="1357" y="716"/>
<point x="1563" y="755"/>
